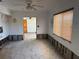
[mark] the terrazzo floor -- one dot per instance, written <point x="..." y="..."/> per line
<point x="29" y="49"/>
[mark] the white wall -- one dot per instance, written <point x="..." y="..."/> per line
<point x="17" y="27"/>
<point x="4" y="21"/>
<point x="4" y="25"/>
<point x="61" y="5"/>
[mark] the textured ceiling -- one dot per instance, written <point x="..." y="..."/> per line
<point x="19" y="5"/>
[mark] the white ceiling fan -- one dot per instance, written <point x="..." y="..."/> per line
<point x="31" y="6"/>
<point x="28" y="4"/>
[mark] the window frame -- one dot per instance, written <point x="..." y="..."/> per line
<point x="70" y="9"/>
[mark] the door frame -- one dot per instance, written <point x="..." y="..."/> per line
<point x="37" y="26"/>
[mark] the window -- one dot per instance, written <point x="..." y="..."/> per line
<point x="62" y="25"/>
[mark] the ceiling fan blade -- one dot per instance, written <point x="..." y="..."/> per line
<point x="38" y="6"/>
<point x="34" y="8"/>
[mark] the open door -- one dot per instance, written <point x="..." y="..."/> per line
<point x="29" y="28"/>
<point x="25" y="26"/>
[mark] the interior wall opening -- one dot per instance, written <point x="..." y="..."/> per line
<point x="29" y="28"/>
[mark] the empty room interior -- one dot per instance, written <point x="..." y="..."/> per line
<point x="39" y="29"/>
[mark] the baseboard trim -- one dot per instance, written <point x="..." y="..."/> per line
<point x="61" y="49"/>
<point x="15" y="37"/>
<point x="42" y="36"/>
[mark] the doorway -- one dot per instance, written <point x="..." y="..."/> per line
<point x="29" y="28"/>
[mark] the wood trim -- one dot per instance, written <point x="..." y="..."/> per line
<point x="15" y="37"/>
<point x="64" y="11"/>
<point x="61" y="49"/>
<point x="42" y="36"/>
<point x="72" y="56"/>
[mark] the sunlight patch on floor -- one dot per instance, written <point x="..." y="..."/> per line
<point x="29" y="36"/>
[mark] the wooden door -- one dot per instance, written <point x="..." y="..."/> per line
<point x="25" y="26"/>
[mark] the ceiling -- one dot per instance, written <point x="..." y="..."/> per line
<point x="19" y="5"/>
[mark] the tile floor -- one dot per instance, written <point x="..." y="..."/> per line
<point x="29" y="49"/>
<point x="29" y="36"/>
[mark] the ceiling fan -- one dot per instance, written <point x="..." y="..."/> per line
<point x="31" y="6"/>
<point x="28" y="4"/>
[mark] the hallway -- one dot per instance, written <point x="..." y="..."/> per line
<point x="29" y="49"/>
